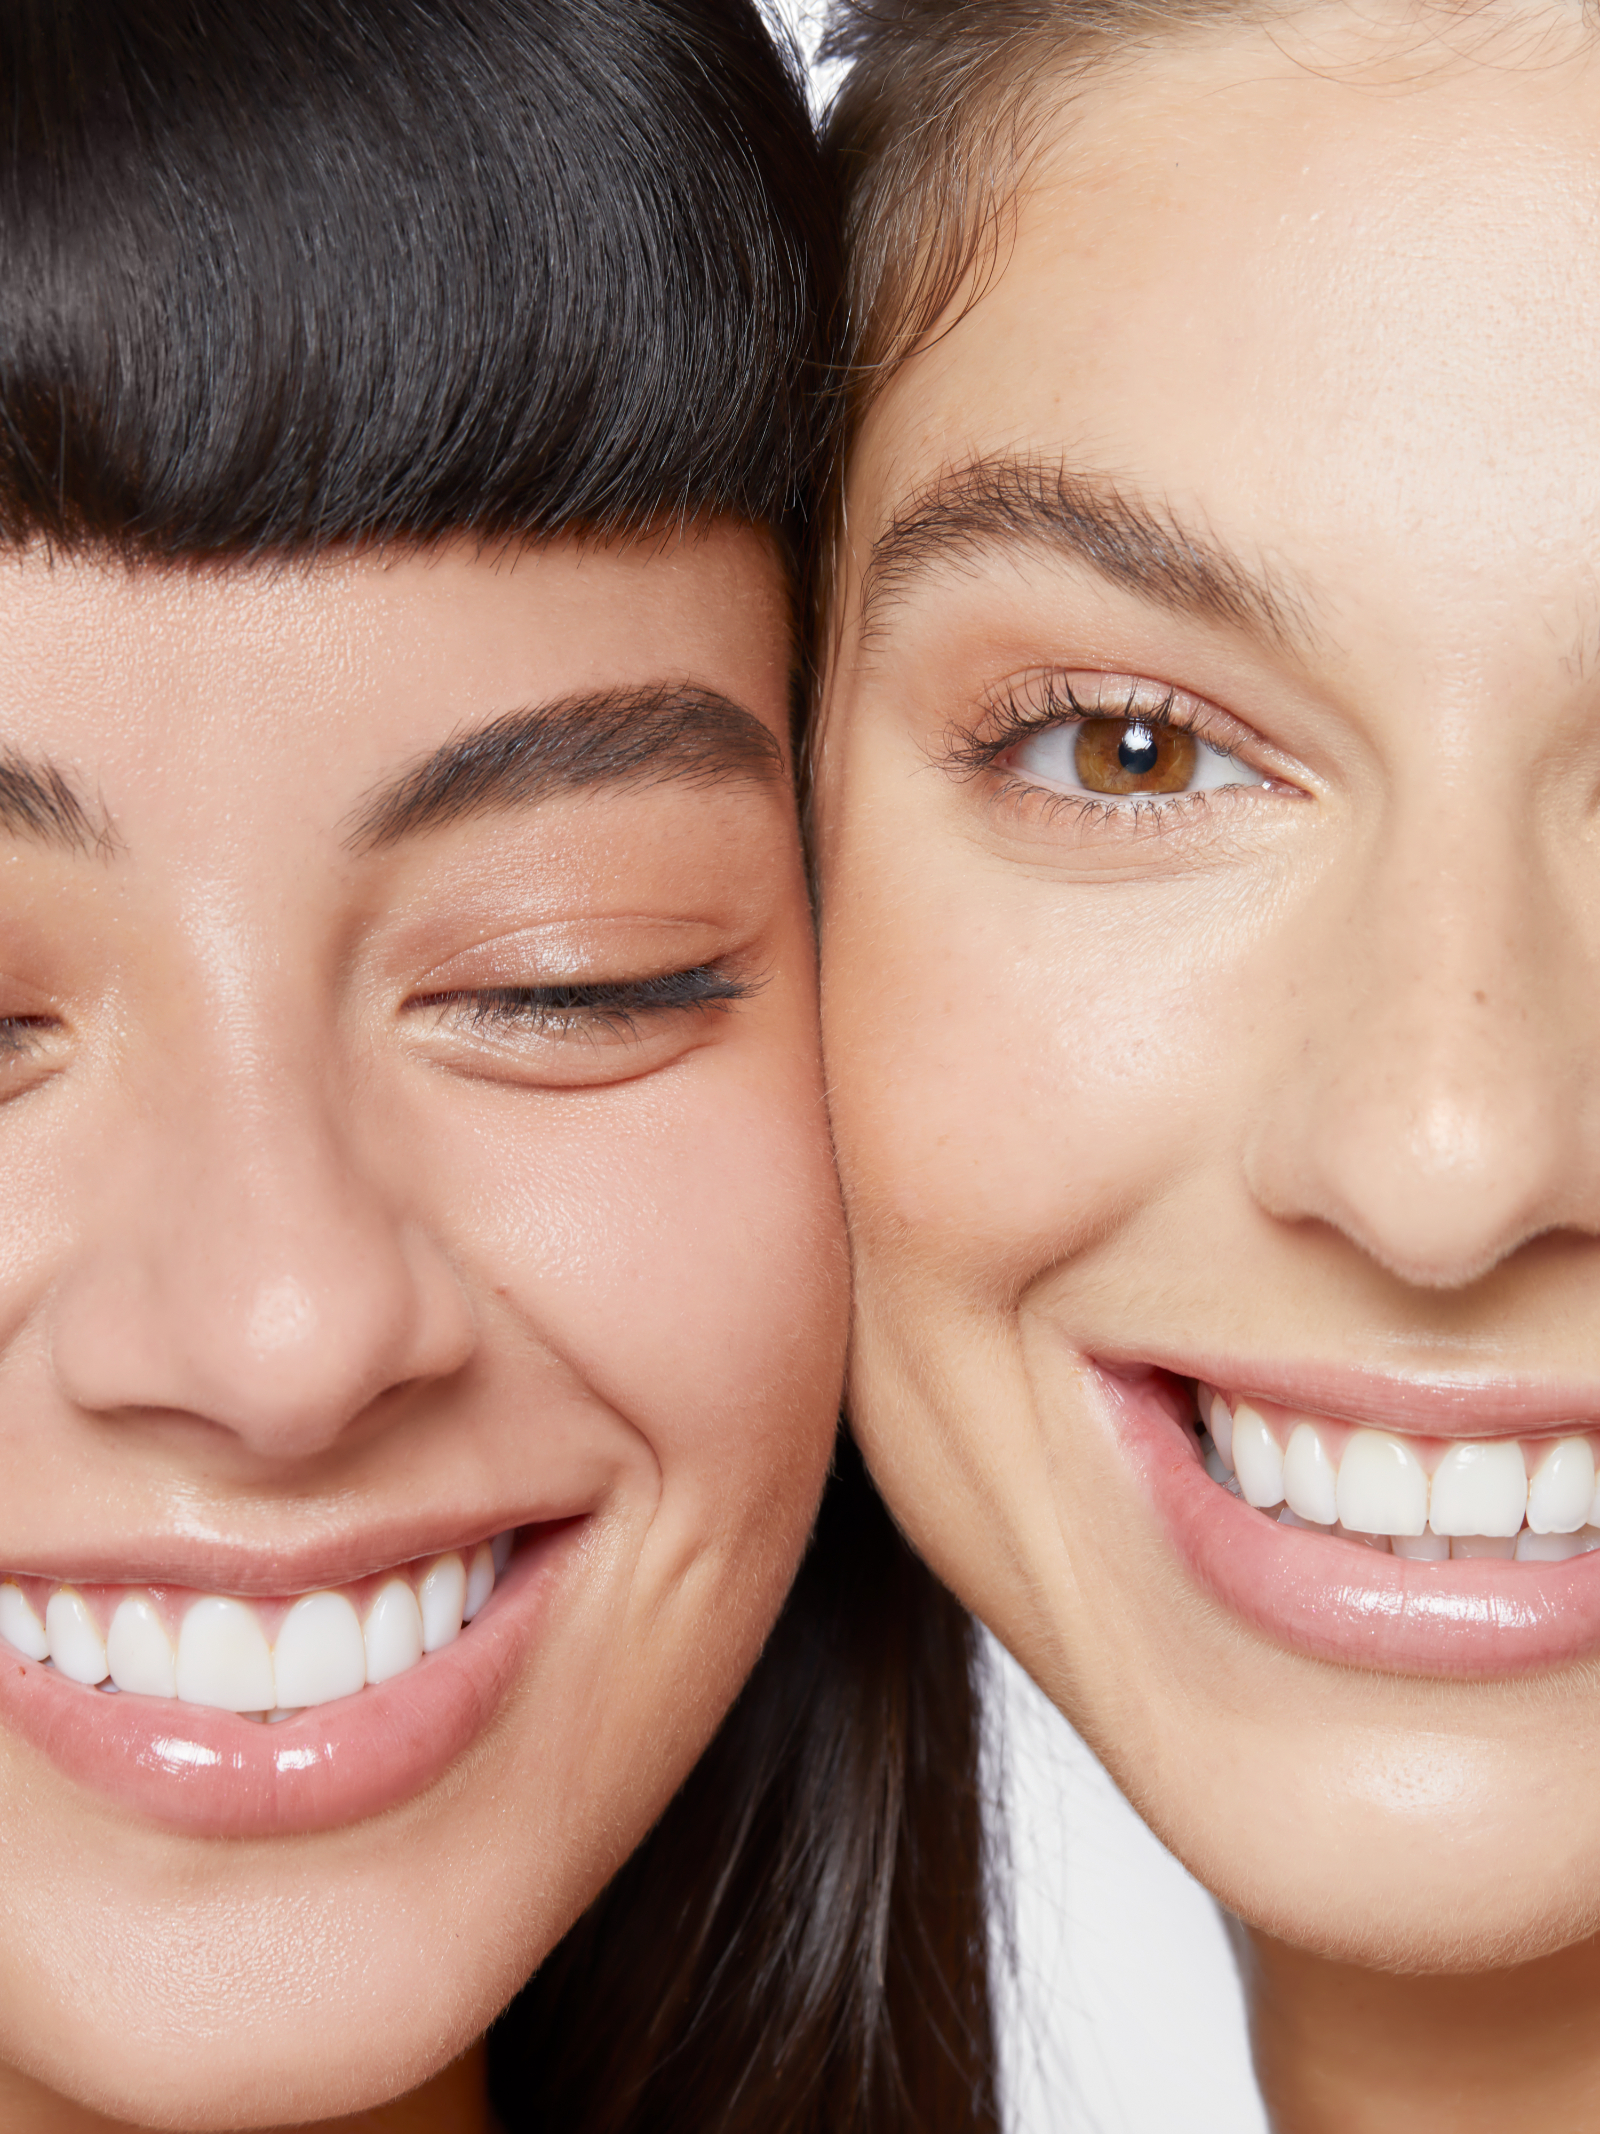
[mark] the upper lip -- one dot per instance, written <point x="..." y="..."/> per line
<point x="265" y="1568"/>
<point x="1419" y="1403"/>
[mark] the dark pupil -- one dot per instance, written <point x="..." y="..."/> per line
<point x="1137" y="751"/>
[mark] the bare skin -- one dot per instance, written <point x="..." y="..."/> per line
<point x="1296" y="1071"/>
<point x="1343" y="2050"/>
<point x="455" y="2101"/>
<point x="355" y="1215"/>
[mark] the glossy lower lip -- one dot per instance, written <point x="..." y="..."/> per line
<point x="1335" y="1601"/>
<point x="209" y="1774"/>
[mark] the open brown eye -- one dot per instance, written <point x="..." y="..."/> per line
<point x="1130" y="756"/>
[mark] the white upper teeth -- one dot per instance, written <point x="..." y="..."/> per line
<point x="1382" y="1488"/>
<point x="320" y="1653"/>
<point x="76" y="1645"/>
<point x="1257" y="1458"/>
<point x="1478" y="1499"/>
<point x="1479" y="1489"/>
<point x="1562" y="1489"/>
<point x="394" y="1632"/>
<point x="442" y="1597"/>
<point x="222" y="1657"/>
<point x="1310" y="1479"/>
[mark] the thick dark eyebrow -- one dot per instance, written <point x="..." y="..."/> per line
<point x="1003" y="501"/>
<point x="619" y="738"/>
<point x="38" y="800"/>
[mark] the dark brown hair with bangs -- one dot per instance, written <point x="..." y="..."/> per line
<point x="290" y="275"/>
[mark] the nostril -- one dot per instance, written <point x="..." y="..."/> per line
<point x="285" y="1353"/>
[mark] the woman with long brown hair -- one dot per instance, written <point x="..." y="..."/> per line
<point x="1206" y="807"/>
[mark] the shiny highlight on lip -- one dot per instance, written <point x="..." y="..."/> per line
<point x="211" y="1773"/>
<point x="1346" y="1604"/>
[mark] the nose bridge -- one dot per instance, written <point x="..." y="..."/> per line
<point x="250" y="1262"/>
<point x="1437" y="1114"/>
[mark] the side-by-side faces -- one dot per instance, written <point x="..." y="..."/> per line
<point x="1207" y="801"/>
<point x="422" y="1291"/>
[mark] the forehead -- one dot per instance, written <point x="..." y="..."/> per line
<point x="248" y="675"/>
<point x="1303" y="286"/>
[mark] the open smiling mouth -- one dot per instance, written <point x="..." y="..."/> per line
<point x="363" y="1694"/>
<point x="1409" y="1551"/>
<point x="1428" y="1500"/>
<point x="266" y="1660"/>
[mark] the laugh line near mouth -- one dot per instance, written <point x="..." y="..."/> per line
<point x="264" y="1660"/>
<point x="1428" y="1500"/>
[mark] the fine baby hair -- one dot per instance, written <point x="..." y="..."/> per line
<point x="930" y="131"/>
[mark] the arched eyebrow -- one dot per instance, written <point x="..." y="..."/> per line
<point x="39" y="801"/>
<point x="618" y="738"/>
<point x="1002" y="501"/>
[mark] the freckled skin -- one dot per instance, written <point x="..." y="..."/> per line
<point x="284" y="1261"/>
<point x="1306" y="1071"/>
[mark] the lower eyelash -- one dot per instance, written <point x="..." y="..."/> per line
<point x="19" y="1034"/>
<point x="1146" y="811"/>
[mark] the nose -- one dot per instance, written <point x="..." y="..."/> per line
<point x="1438" y="1106"/>
<point x="245" y="1265"/>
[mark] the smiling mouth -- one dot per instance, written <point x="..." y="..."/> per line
<point x="265" y="1660"/>
<point x="1428" y="1500"/>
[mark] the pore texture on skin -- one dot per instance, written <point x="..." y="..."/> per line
<point x="1206" y="815"/>
<point x="406" y="984"/>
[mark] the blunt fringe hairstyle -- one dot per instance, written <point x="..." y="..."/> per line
<point x="284" y="275"/>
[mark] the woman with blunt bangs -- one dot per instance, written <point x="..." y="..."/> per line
<point x="1207" y="805"/>
<point x="423" y="1291"/>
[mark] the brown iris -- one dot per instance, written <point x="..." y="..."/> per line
<point x="1131" y="756"/>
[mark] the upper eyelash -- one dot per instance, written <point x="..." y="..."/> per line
<point x="974" y="749"/>
<point x="616" y="1003"/>
<point x="18" y="1033"/>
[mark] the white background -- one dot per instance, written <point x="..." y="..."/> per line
<point x="1121" y="2009"/>
<point x="1123" y="2013"/>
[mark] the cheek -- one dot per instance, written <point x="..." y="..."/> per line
<point x="678" y="1243"/>
<point x="1047" y="1059"/>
